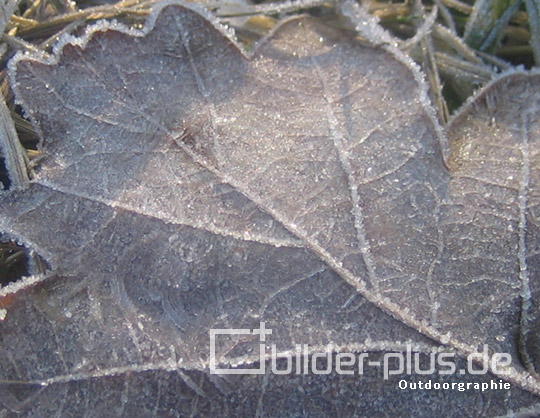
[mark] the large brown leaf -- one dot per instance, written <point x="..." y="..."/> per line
<point x="187" y="185"/>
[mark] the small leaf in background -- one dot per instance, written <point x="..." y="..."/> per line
<point x="6" y="10"/>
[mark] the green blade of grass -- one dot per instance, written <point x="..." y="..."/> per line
<point x="487" y="22"/>
<point x="533" y="10"/>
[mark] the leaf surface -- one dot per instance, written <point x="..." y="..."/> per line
<point x="187" y="185"/>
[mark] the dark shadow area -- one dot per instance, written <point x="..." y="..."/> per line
<point x="4" y="178"/>
<point x="13" y="262"/>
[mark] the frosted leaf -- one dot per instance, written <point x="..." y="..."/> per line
<point x="187" y="185"/>
<point x="7" y="8"/>
<point x="366" y="24"/>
